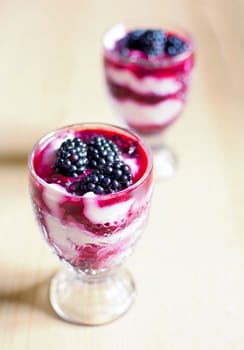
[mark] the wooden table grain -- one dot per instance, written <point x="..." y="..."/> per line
<point x="189" y="266"/>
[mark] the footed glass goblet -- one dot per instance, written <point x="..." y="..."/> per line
<point x="91" y="215"/>
<point x="148" y="75"/>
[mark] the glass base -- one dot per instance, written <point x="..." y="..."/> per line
<point x="165" y="163"/>
<point x="91" y="299"/>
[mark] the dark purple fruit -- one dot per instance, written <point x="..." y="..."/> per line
<point x="71" y="158"/>
<point x="112" y="178"/>
<point x="151" y="42"/>
<point x="101" y="151"/>
<point x="175" y="46"/>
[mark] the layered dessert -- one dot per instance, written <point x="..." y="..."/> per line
<point x="147" y="73"/>
<point x="91" y="187"/>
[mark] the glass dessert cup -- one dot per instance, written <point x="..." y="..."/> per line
<point x="148" y="94"/>
<point x="91" y="234"/>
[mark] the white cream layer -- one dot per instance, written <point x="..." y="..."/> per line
<point x="146" y="85"/>
<point x="65" y="237"/>
<point x="110" y="38"/>
<point x="92" y="211"/>
<point x="101" y="215"/>
<point x="141" y="114"/>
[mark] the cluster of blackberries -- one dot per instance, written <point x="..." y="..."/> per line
<point x="101" y="156"/>
<point x="153" y="42"/>
<point x="111" y="178"/>
<point x="149" y="41"/>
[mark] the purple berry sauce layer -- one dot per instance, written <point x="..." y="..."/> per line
<point x="148" y="81"/>
<point x="90" y="231"/>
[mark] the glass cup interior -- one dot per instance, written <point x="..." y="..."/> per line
<point x="92" y="234"/>
<point x="148" y="94"/>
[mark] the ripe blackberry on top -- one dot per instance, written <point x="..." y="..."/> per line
<point x="152" y="42"/>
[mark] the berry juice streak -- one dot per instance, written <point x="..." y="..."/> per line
<point x="92" y="232"/>
<point x="177" y="68"/>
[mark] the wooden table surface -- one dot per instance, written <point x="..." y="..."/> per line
<point x="189" y="266"/>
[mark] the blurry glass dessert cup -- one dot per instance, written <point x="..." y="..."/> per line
<point x="91" y="186"/>
<point x="148" y="74"/>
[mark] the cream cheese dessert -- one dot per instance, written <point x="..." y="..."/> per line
<point x="147" y="73"/>
<point x="91" y="187"/>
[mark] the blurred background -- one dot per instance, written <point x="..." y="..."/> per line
<point x="50" y="60"/>
<point x="190" y="265"/>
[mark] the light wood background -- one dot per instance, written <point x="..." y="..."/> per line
<point x="189" y="267"/>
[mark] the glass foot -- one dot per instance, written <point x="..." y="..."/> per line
<point x="91" y="299"/>
<point x="165" y="163"/>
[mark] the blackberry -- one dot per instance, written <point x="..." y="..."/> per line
<point x="151" y="42"/>
<point x="71" y="158"/>
<point x="120" y="172"/>
<point x="101" y="151"/>
<point x="133" y="39"/>
<point x="174" y="46"/>
<point x="130" y="41"/>
<point x="112" y="178"/>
